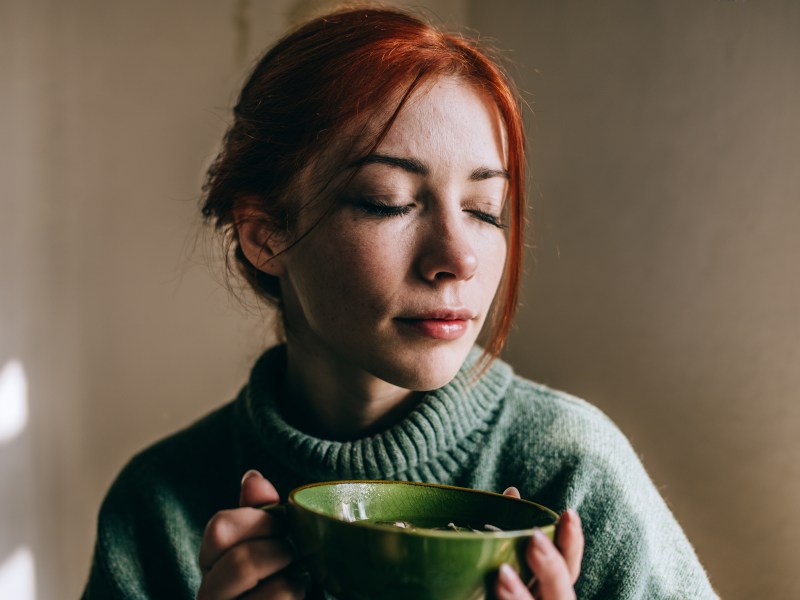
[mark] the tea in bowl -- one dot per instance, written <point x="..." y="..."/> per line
<point x="390" y="539"/>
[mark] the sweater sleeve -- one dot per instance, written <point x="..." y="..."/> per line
<point x="117" y="572"/>
<point x="564" y="452"/>
<point x="635" y="548"/>
<point x="147" y="543"/>
<point x="152" y="520"/>
<point x="120" y="582"/>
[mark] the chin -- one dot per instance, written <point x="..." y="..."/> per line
<point x="424" y="370"/>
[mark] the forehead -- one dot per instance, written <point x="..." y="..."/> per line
<point x="448" y="118"/>
<point x="446" y="122"/>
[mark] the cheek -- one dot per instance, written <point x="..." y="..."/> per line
<point x="369" y="259"/>
<point x="492" y="257"/>
<point x="346" y="272"/>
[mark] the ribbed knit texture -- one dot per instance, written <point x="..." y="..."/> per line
<point x="427" y="441"/>
<point x="498" y="431"/>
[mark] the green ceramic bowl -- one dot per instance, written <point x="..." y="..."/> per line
<point x="345" y="533"/>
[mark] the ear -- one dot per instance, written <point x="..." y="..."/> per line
<point x="261" y="243"/>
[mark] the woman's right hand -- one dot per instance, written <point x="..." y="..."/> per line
<point x="245" y="549"/>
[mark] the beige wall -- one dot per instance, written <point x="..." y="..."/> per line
<point x="666" y="287"/>
<point x="663" y="149"/>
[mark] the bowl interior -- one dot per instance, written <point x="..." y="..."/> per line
<point x="424" y="508"/>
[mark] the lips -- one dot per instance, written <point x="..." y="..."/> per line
<point x="444" y="324"/>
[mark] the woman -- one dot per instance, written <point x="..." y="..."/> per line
<point x="371" y="188"/>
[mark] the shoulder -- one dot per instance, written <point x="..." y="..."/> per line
<point x="527" y="395"/>
<point x="561" y="423"/>
<point x="179" y="474"/>
<point x="154" y="513"/>
<point x="570" y="446"/>
<point x="574" y="455"/>
<point x="184" y="452"/>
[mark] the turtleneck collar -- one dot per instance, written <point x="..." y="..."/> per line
<point x="442" y="418"/>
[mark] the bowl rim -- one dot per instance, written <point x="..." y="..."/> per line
<point x="549" y="528"/>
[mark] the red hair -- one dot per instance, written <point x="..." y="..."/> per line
<point x="335" y="71"/>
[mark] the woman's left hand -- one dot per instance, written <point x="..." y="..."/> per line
<point x="556" y="566"/>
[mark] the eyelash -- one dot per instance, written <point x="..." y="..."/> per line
<point x="488" y="218"/>
<point x="385" y="210"/>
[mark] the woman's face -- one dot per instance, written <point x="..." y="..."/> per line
<point x="397" y="280"/>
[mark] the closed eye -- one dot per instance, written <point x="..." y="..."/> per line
<point x="380" y="209"/>
<point x="487" y="218"/>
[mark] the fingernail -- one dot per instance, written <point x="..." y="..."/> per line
<point x="249" y="474"/>
<point x="506" y="578"/>
<point x="574" y="517"/>
<point x="540" y="541"/>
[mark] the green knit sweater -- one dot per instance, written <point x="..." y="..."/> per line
<point x="499" y="431"/>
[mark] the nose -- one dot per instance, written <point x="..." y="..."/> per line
<point x="446" y="252"/>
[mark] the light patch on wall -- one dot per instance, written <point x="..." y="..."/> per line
<point x="18" y="576"/>
<point x="13" y="403"/>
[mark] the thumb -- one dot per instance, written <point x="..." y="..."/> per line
<point x="256" y="490"/>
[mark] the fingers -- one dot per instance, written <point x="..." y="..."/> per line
<point x="569" y="540"/>
<point x="509" y="586"/>
<point x="553" y="577"/>
<point x="228" y="528"/>
<point x="556" y="567"/>
<point x="240" y="552"/>
<point x="257" y="491"/>
<point x="241" y="568"/>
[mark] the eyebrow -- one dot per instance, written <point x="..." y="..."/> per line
<point x="412" y="165"/>
<point x="482" y="173"/>
<point x="417" y="167"/>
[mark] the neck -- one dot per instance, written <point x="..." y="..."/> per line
<point x="331" y="399"/>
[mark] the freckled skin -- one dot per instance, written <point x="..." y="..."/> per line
<point x="417" y="232"/>
<point x="347" y="282"/>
